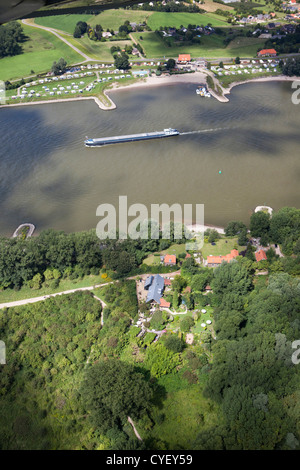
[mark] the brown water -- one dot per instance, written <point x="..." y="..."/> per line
<point x="48" y="177"/>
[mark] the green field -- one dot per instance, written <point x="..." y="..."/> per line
<point x="112" y="19"/>
<point x="63" y="22"/>
<point x="96" y="49"/>
<point x="211" y="47"/>
<point x="177" y="19"/>
<point x="40" y="51"/>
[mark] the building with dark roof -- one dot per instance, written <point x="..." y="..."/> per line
<point x="155" y="288"/>
<point x="148" y="282"/>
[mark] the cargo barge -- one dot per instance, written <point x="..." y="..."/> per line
<point x="130" y="138"/>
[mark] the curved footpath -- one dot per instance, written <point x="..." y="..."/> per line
<point x="56" y="33"/>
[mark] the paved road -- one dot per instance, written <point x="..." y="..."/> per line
<point x="56" y="33"/>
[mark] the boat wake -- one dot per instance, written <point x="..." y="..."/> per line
<point x="215" y="129"/>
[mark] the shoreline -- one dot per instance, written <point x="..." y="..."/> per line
<point x="63" y="100"/>
<point x="196" y="228"/>
<point x="192" y="78"/>
<point x="279" y="78"/>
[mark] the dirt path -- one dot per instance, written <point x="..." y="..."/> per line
<point x="32" y="300"/>
<point x="103" y="306"/>
<point x="134" y="428"/>
<point x="135" y="42"/>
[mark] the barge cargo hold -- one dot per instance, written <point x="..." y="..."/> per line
<point x="130" y="138"/>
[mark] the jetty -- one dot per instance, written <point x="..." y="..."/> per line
<point x="30" y="229"/>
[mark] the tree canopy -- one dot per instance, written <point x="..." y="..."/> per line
<point x="114" y="390"/>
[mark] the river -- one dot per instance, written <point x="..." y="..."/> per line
<point x="49" y="178"/>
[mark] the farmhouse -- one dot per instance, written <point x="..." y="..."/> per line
<point x="213" y="261"/>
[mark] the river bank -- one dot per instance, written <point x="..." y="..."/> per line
<point x="153" y="81"/>
<point x="279" y="78"/>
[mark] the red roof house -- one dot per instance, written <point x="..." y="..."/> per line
<point x="183" y="58"/>
<point x="217" y="260"/>
<point x="260" y="255"/>
<point x="163" y="303"/>
<point x="267" y="52"/>
<point x="169" y="260"/>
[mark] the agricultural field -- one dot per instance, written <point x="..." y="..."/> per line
<point x="40" y="51"/>
<point x="182" y="18"/>
<point x="211" y="47"/>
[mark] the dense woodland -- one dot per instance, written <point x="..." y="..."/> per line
<point x="75" y="372"/>
<point x="24" y="262"/>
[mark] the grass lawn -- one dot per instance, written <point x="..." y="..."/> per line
<point x="63" y="22"/>
<point x="175" y="249"/>
<point x="182" y="18"/>
<point x="221" y="247"/>
<point x="186" y="412"/>
<point x="10" y="295"/>
<point x="211" y="47"/>
<point x="40" y="51"/>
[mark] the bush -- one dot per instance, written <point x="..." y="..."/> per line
<point x="186" y="324"/>
<point x="173" y="343"/>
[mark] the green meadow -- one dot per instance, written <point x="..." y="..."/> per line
<point x="181" y="18"/>
<point x="112" y="19"/>
<point x="211" y="47"/>
<point x="95" y="49"/>
<point x="39" y="52"/>
<point x="62" y="22"/>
